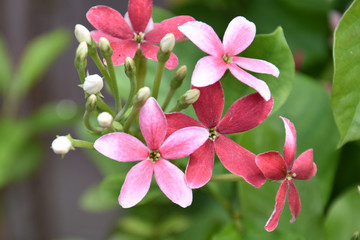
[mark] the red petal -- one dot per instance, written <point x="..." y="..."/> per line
<point x="294" y="201"/>
<point x="290" y="142"/>
<point x="279" y="206"/>
<point x="96" y="35"/>
<point x="109" y="21"/>
<point x="200" y="166"/>
<point x="178" y="120"/>
<point x="210" y="104"/>
<point x="304" y="166"/>
<point x="123" y="49"/>
<point x="150" y="51"/>
<point x="272" y="165"/>
<point x="167" y="26"/>
<point x="246" y="113"/>
<point x="139" y="13"/>
<point x="238" y="160"/>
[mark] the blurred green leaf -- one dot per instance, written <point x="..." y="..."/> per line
<point x="5" y="65"/>
<point x="346" y="85"/>
<point x="94" y="200"/>
<point x="343" y="218"/>
<point x="228" y="232"/>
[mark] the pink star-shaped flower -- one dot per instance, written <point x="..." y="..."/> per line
<point x="136" y="30"/>
<point x="246" y="113"/>
<point x="238" y="36"/>
<point x="123" y="147"/>
<point x="275" y="167"/>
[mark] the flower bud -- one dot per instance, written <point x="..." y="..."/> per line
<point x="91" y="102"/>
<point x="82" y="51"/>
<point x="142" y="95"/>
<point x="61" y="145"/>
<point x="82" y="34"/>
<point x="104" y="46"/>
<point x="129" y="66"/>
<point x="167" y="43"/>
<point x="105" y="119"/>
<point x="93" y="84"/>
<point x="179" y="77"/>
<point x="355" y="236"/>
<point x="189" y="97"/>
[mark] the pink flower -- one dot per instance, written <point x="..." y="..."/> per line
<point x="275" y="167"/>
<point x="238" y="36"/>
<point x="123" y="147"/>
<point x="246" y="113"/>
<point x="136" y="30"/>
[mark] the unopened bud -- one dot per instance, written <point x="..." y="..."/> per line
<point x="189" y="97"/>
<point x="355" y="236"/>
<point x="104" y="46"/>
<point x="93" y="84"/>
<point x="61" y="145"/>
<point x="167" y="43"/>
<point x="91" y="102"/>
<point x="179" y="77"/>
<point x="142" y="95"/>
<point x="129" y="67"/>
<point x="105" y="119"/>
<point x="82" y="51"/>
<point x="82" y="34"/>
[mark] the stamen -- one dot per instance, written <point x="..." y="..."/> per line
<point x="213" y="134"/>
<point x="227" y="58"/>
<point x="154" y="156"/>
<point x="139" y="38"/>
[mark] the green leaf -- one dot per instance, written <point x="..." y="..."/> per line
<point x="343" y="218"/>
<point x="228" y="232"/>
<point x="345" y="97"/>
<point x="5" y="66"/>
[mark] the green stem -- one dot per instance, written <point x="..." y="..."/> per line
<point x="134" y="113"/>
<point x="115" y="88"/>
<point x="82" y="144"/>
<point x="88" y="125"/>
<point x="168" y="98"/>
<point x="132" y="78"/>
<point x="140" y="64"/>
<point x="103" y="106"/>
<point x="176" y="109"/>
<point x="226" y="178"/>
<point x="81" y="73"/>
<point x="157" y="80"/>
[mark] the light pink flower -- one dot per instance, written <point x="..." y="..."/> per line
<point x="136" y="30"/>
<point x="246" y="113"/>
<point x="238" y="36"/>
<point x="123" y="147"/>
<point x="275" y="167"/>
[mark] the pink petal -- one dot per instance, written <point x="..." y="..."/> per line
<point x="279" y="206"/>
<point x="150" y="51"/>
<point x="260" y="86"/>
<point x="121" y="147"/>
<point x="183" y="142"/>
<point x="272" y="165"/>
<point x="167" y="26"/>
<point x="171" y="181"/>
<point x="238" y="35"/>
<point x="304" y="166"/>
<point x="109" y="21"/>
<point x="208" y="70"/>
<point x="176" y="121"/>
<point x="123" y="49"/>
<point x="203" y="36"/>
<point x="294" y="201"/>
<point x="290" y="142"/>
<point x="140" y="13"/>
<point x="96" y="35"/>
<point x="238" y="160"/>
<point x="152" y="123"/>
<point x="246" y="113"/>
<point x="256" y="65"/>
<point x="135" y="188"/>
<point x="200" y="166"/>
<point x="210" y="105"/>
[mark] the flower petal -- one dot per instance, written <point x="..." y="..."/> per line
<point x="260" y="86"/>
<point x="150" y="51"/>
<point x="109" y="21"/>
<point x="256" y="65"/>
<point x="123" y="49"/>
<point x="238" y="160"/>
<point x="272" y="165"/>
<point x="208" y="70"/>
<point x="152" y="123"/>
<point x="167" y="26"/>
<point x="290" y="143"/>
<point x="121" y="147"/>
<point x="137" y="184"/>
<point x="183" y="142"/>
<point x="294" y="201"/>
<point x="176" y="121"/>
<point x="200" y="166"/>
<point x="279" y="206"/>
<point x="246" y="113"/>
<point x="96" y="35"/>
<point x="304" y="166"/>
<point x="203" y="36"/>
<point x="238" y="35"/>
<point x="140" y="13"/>
<point x="209" y="106"/>
<point x="171" y="181"/>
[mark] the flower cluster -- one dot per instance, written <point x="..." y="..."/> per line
<point x="160" y="137"/>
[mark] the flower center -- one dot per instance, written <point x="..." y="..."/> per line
<point x="227" y="58"/>
<point x="213" y="134"/>
<point x="290" y="175"/>
<point x="139" y="38"/>
<point x="154" y="156"/>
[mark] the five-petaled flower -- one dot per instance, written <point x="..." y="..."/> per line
<point x="246" y="113"/>
<point x="238" y="36"/>
<point x="276" y="167"/>
<point x="135" y="30"/>
<point x="126" y="148"/>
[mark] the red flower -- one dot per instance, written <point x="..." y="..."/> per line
<point x="276" y="167"/>
<point x="136" y="30"/>
<point x="246" y="113"/>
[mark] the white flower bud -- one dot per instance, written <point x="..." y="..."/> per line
<point x="167" y="43"/>
<point x="105" y="119"/>
<point x="82" y="34"/>
<point x="191" y="96"/>
<point x="104" y="45"/>
<point x="142" y="95"/>
<point x="82" y="51"/>
<point x="93" y="84"/>
<point x="61" y="145"/>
